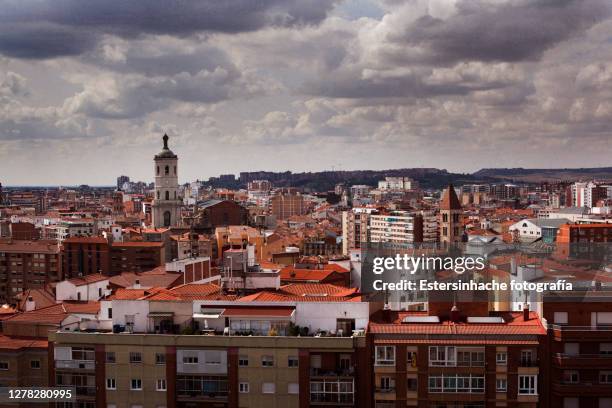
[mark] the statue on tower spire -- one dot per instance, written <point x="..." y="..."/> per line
<point x="165" y="141"/>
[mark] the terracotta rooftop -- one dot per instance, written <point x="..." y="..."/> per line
<point x="88" y="279"/>
<point x="85" y="240"/>
<point x="19" y="246"/>
<point x="41" y="297"/>
<point x="513" y="325"/>
<point x="157" y="277"/>
<point x="18" y="343"/>
<point x="132" y="244"/>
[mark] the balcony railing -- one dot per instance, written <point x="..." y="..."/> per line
<point x="337" y="372"/>
<point x="385" y="390"/>
<point x="564" y="328"/>
<point x="75" y="364"/>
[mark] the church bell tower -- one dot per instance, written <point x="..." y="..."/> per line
<point x="166" y="202"/>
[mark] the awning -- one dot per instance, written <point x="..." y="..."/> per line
<point x="255" y="312"/>
<point x="206" y="315"/>
<point x="160" y="314"/>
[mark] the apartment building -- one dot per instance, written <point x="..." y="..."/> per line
<point x="27" y="265"/>
<point x="210" y="371"/>
<point x="136" y="256"/>
<point x="85" y="256"/>
<point x="579" y="365"/>
<point x="355" y="227"/>
<point x="284" y="205"/>
<point x="584" y="233"/>
<point x="445" y="358"/>
<point x="400" y="227"/>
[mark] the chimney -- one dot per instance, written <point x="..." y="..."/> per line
<point x="386" y="313"/>
<point x="454" y="315"/>
<point x="526" y="312"/>
<point x="137" y="284"/>
<point x="30" y="304"/>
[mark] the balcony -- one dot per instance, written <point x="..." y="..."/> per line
<point x="593" y="332"/>
<point x="337" y="392"/>
<point x="337" y="372"/>
<point x="75" y="364"/>
<point x="562" y="360"/>
<point x="587" y="389"/>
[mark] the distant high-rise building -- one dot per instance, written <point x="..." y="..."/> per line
<point x="450" y="219"/>
<point x="397" y="183"/>
<point x="285" y="205"/>
<point x="166" y="203"/>
<point x="121" y="180"/>
<point x="587" y="194"/>
<point x="400" y="227"/>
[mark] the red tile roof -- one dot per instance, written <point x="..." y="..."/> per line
<point x="19" y="343"/>
<point x="514" y="325"/>
<point x="259" y="311"/>
<point x="88" y="279"/>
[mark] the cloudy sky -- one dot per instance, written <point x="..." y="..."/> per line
<point x="87" y="88"/>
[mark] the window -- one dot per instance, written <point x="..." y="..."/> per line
<point x="4" y="365"/>
<point x="442" y="356"/>
<point x="190" y="359"/>
<point x="571" y="402"/>
<point x="292" y="361"/>
<point x="387" y="384"/>
<point x="35" y="364"/>
<point x="161" y="384"/>
<point x="385" y="355"/>
<point x="268" y="388"/>
<point x="293" y="388"/>
<point x="243" y="361"/>
<point x="571" y="377"/>
<point x="526" y="358"/>
<point x="82" y="353"/>
<point x="110" y="357"/>
<point x="467" y="358"/>
<point x="135" y="357"/>
<point x="501" y="358"/>
<point x="160" y="358"/>
<point x="111" y="384"/>
<point x="167" y="195"/>
<point x="456" y="383"/>
<point x="267" y="361"/>
<point x="605" y="348"/>
<point x="572" y="349"/>
<point x="110" y="312"/>
<point x="560" y="318"/>
<point x="605" y="377"/>
<point x="605" y="403"/>
<point x="315" y="361"/>
<point x="501" y="384"/>
<point x="167" y="170"/>
<point x="243" y="387"/>
<point x="212" y="358"/>
<point x="412" y="384"/>
<point x="528" y="384"/>
<point x="411" y="358"/>
<point x="136" y="384"/>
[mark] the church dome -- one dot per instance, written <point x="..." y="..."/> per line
<point x="166" y="153"/>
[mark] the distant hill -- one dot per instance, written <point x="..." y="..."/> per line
<point x="520" y="174"/>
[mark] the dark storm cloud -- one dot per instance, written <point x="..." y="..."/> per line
<point x="50" y="28"/>
<point x="512" y="32"/>
<point x="40" y="41"/>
